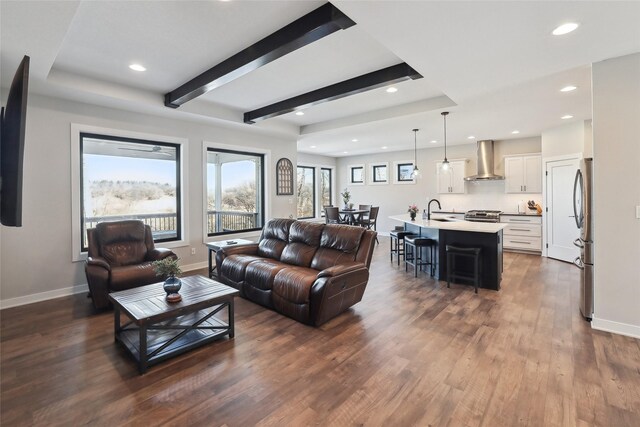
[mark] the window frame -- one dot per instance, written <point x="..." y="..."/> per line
<point x="267" y="185"/>
<point x="351" y="169"/>
<point x="319" y="212"/>
<point x="331" y="175"/>
<point x="396" y="172"/>
<point x="314" y="186"/>
<point x="372" y="170"/>
<point x="262" y="197"/>
<point x="77" y="254"/>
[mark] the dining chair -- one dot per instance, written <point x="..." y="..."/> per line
<point x="364" y="217"/>
<point x="370" y="223"/>
<point x="331" y="215"/>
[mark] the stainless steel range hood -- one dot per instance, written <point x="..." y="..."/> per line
<point x="485" y="163"/>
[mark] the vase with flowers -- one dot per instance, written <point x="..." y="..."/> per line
<point x="413" y="211"/>
<point x="346" y="196"/>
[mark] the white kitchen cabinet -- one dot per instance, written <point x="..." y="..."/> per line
<point x="523" y="174"/>
<point x="451" y="181"/>
<point x="523" y="233"/>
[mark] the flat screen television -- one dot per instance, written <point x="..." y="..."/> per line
<point x="13" y="120"/>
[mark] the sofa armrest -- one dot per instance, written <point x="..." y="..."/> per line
<point x="159" y="253"/>
<point x="251" y="249"/>
<point x="98" y="262"/>
<point x="335" y="290"/>
<point x="339" y="269"/>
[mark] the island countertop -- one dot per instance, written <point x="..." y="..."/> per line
<point x="453" y="225"/>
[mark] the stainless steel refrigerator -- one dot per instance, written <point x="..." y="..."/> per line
<point x="583" y="210"/>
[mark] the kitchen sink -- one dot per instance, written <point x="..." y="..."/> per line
<point x="443" y="219"/>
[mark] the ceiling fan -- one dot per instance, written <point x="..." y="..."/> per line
<point x="155" y="149"/>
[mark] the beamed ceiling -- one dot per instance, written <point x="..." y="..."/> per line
<point x="494" y="65"/>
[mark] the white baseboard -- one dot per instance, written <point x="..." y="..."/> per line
<point x="632" y="331"/>
<point x="64" y="292"/>
<point x="43" y="296"/>
<point x="196" y="266"/>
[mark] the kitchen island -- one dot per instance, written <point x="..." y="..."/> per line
<point x="449" y="231"/>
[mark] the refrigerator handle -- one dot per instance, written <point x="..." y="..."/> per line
<point x="578" y="263"/>
<point x="578" y="243"/>
<point x="575" y="189"/>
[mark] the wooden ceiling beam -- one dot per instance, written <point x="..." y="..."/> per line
<point x="363" y="83"/>
<point x="313" y="26"/>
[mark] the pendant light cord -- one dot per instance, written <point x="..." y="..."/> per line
<point x="444" y="115"/>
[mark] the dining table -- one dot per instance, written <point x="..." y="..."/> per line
<point x="353" y="216"/>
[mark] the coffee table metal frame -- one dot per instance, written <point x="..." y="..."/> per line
<point x="152" y="339"/>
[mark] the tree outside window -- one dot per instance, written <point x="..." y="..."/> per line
<point x="306" y="192"/>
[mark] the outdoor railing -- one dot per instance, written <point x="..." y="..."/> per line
<point x="220" y="221"/>
<point x="164" y="225"/>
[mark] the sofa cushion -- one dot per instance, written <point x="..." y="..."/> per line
<point x="275" y="236"/>
<point x="122" y="242"/>
<point x="291" y="292"/>
<point x="304" y="239"/>
<point x="338" y="244"/>
<point x="259" y="277"/>
<point x="294" y="283"/>
<point x="234" y="266"/>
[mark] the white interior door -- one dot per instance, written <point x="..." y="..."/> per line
<point x="561" y="223"/>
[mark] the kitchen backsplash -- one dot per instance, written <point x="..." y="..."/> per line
<point x="486" y="195"/>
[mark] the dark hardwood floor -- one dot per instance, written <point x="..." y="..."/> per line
<point x="411" y="353"/>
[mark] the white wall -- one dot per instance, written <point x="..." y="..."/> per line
<point x="616" y="151"/>
<point x="36" y="258"/>
<point x="567" y="139"/>
<point x="394" y="199"/>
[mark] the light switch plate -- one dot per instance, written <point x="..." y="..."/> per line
<point x="638" y="212"/>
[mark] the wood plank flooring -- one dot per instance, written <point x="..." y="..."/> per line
<point x="412" y="353"/>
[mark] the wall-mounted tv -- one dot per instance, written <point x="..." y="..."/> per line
<point x="13" y="120"/>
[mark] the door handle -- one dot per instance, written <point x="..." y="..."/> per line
<point x="572" y="216"/>
<point x="578" y="243"/>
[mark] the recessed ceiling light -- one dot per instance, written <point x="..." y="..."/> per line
<point x="568" y="88"/>
<point x="385" y="147"/>
<point x="137" y="67"/>
<point x="565" y="28"/>
<point x="313" y="146"/>
<point x="299" y="113"/>
<point x="471" y="137"/>
<point x="354" y="140"/>
<point x="515" y="132"/>
<point x="434" y="141"/>
<point x="392" y="89"/>
<point x="568" y="116"/>
<point x="345" y="152"/>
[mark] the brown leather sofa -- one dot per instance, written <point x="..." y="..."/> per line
<point x="308" y="271"/>
<point x="120" y="257"/>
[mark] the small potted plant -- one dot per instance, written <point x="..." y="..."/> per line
<point x="169" y="270"/>
<point x="413" y="211"/>
<point x="346" y="196"/>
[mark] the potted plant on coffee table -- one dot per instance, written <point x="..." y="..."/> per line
<point x="169" y="270"/>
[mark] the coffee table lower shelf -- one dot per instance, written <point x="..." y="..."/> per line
<point x="149" y="344"/>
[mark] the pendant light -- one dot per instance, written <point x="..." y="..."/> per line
<point x="445" y="162"/>
<point x="416" y="171"/>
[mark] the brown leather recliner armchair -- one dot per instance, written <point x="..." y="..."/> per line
<point x="120" y="257"/>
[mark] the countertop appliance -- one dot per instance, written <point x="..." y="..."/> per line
<point x="583" y="211"/>
<point x="482" y="216"/>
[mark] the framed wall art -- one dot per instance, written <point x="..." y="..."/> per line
<point x="284" y="177"/>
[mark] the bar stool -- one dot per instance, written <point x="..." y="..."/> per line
<point x="418" y="255"/>
<point x="396" y="243"/>
<point x="454" y="252"/>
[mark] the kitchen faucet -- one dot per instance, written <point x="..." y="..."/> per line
<point x="429" y="207"/>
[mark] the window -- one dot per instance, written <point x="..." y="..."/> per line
<point x="306" y="192"/>
<point x="128" y="178"/>
<point x="235" y="191"/>
<point x="356" y="173"/>
<point x="325" y="189"/>
<point x="404" y="172"/>
<point x="380" y="173"/>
